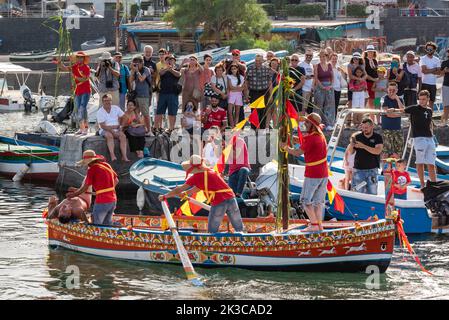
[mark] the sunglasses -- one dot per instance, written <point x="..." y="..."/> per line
<point x="309" y="55"/>
<point x="294" y="60"/>
<point x="235" y="54"/>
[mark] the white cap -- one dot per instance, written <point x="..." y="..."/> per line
<point x="410" y="52"/>
<point x="356" y="55"/>
<point x="370" y="48"/>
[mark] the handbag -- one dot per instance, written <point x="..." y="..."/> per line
<point x="136" y="131"/>
<point x="209" y="92"/>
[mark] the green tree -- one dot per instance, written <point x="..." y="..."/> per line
<point x="219" y="17"/>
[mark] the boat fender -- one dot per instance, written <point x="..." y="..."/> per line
<point x="21" y="173"/>
<point x="140" y="199"/>
<point x="46" y="126"/>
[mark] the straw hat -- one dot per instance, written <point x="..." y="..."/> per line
<point x="195" y="164"/>
<point x="88" y="157"/>
<point x="315" y="119"/>
<point x="81" y="54"/>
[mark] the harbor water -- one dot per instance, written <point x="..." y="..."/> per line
<point x="29" y="269"/>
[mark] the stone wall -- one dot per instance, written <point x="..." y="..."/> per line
<point x="423" y="28"/>
<point x="26" y="34"/>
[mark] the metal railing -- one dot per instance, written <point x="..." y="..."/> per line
<point x="424" y="12"/>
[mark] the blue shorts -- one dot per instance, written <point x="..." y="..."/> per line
<point x="167" y="101"/>
<point x="401" y="196"/>
<point x="366" y="178"/>
<point x="102" y="213"/>
<point x="217" y="212"/>
<point x="81" y="103"/>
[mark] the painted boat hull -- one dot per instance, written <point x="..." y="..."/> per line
<point x="42" y="160"/>
<point x="330" y="251"/>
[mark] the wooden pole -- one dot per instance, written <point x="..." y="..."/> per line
<point x="117" y="25"/>
<point x="283" y="178"/>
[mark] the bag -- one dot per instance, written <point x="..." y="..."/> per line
<point x="178" y="89"/>
<point x="409" y="80"/>
<point x="209" y="92"/>
<point x="136" y="131"/>
<point x="131" y="95"/>
<point x="196" y="94"/>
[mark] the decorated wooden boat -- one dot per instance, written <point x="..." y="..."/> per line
<point x="342" y="247"/>
<point x="35" y="162"/>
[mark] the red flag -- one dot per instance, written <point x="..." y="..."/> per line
<point x="291" y="111"/>
<point x="300" y="135"/>
<point x="254" y="118"/>
<point x="334" y="197"/>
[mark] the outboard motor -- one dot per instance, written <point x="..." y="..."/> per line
<point x="29" y="102"/>
<point x="436" y="199"/>
<point x="65" y="112"/>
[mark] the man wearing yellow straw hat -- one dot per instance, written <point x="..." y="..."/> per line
<point x="103" y="179"/>
<point x="81" y="74"/>
<point x="314" y="148"/>
<point x="216" y="190"/>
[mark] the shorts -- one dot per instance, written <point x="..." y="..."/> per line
<point x="425" y="150"/>
<point x="393" y="142"/>
<point x="432" y="88"/>
<point x="377" y="102"/>
<point x="235" y="98"/>
<point x="445" y="95"/>
<point x="314" y="191"/>
<point x="167" y="101"/>
<point x="358" y="100"/>
<point x="349" y="95"/>
<point x="401" y="196"/>
<point x="102" y="213"/>
<point x="81" y="102"/>
<point x="216" y="215"/>
<point x="371" y="93"/>
<point x="364" y="180"/>
<point x="143" y="103"/>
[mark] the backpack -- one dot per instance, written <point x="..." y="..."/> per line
<point x="409" y="80"/>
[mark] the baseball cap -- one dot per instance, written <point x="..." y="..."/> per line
<point x="236" y="51"/>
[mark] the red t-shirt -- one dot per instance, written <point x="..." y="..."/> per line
<point x="315" y="149"/>
<point x="215" y="183"/>
<point x="82" y="71"/>
<point x="241" y="161"/>
<point x="215" y="118"/>
<point x="401" y="178"/>
<point x="100" y="178"/>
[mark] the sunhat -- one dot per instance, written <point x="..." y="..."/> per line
<point x="105" y="56"/>
<point x="88" y="157"/>
<point x="195" y="164"/>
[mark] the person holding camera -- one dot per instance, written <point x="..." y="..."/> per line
<point x="108" y="74"/>
<point x="140" y="76"/>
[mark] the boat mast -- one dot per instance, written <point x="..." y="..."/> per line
<point x="283" y="207"/>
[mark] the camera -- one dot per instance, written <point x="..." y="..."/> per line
<point x="107" y="63"/>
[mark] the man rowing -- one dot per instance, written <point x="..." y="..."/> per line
<point x="314" y="148"/>
<point x="217" y="192"/>
<point x="73" y="209"/>
<point x="103" y="179"/>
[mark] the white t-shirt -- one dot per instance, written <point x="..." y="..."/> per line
<point x="111" y="118"/>
<point x="209" y="154"/>
<point x="308" y="68"/>
<point x="338" y="79"/>
<point x="234" y="80"/>
<point x="430" y="63"/>
<point x="221" y="81"/>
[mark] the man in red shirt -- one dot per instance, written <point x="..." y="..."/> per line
<point x="217" y="192"/>
<point x="314" y="189"/>
<point x="103" y="179"/>
<point x="213" y="115"/>
<point x="81" y="74"/>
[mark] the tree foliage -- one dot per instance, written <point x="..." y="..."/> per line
<point x="219" y="18"/>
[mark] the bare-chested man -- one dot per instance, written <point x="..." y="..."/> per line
<point x="71" y="208"/>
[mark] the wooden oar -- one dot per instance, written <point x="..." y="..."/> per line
<point x="186" y="263"/>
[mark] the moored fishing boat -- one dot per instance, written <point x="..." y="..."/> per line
<point x="32" y="55"/>
<point x="31" y="161"/>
